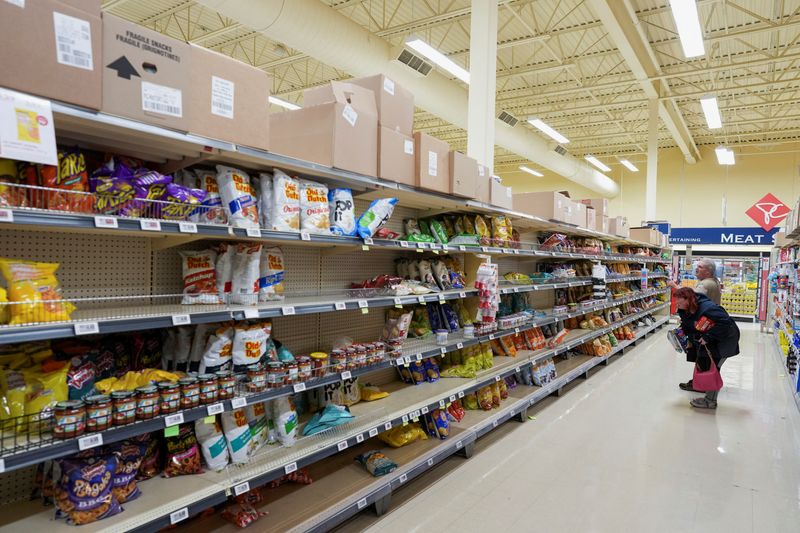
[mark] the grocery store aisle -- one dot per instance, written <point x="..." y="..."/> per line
<point x="624" y="451"/>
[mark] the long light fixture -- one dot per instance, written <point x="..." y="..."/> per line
<point x="596" y="162"/>
<point x="418" y="45"/>
<point x="547" y="130"/>
<point x="531" y="171"/>
<point x="711" y="111"/>
<point x="688" y="22"/>
<point x="283" y="103"/>
<point x="725" y="156"/>
<point x="630" y="166"/>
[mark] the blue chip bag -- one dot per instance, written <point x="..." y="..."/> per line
<point x="431" y="371"/>
<point x="450" y="317"/>
<point x="375" y="217"/>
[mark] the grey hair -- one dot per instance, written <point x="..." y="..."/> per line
<point x="709" y="265"/>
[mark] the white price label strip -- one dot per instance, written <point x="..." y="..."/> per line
<point x="300" y="387"/>
<point x="287" y="310"/>
<point x="461" y="394"/>
<point x="251" y="312"/>
<point x="360" y="438"/>
<point x="187" y="227"/>
<point x="462" y="248"/>
<point x="494" y="423"/>
<point x="91" y="441"/>
<point x="179" y="516"/>
<point x="424" y="410"/>
<point x="2" y="465"/>
<point x="459" y="445"/>
<point x="362" y="503"/>
<point x="346" y="375"/>
<point x="404" y="244"/>
<point x="373" y="432"/>
<point x="173" y="420"/>
<point x="340" y="306"/>
<point x="452" y="398"/>
<point x="403" y="478"/>
<point x="6" y="215"/>
<point x="342" y="445"/>
<point x="291" y="467"/>
<point x="405" y="419"/>
<point x="238" y="403"/>
<point x="305" y="236"/>
<point x="462" y="294"/>
<point x="368" y="241"/>
<point x="362" y="304"/>
<point x="387" y="426"/>
<point x="398" y="301"/>
<point x="459" y="345"/>
<point x="441" y="404"/>
<point x="181" y="320"/>
<point x="498" y="378"/>
<point x="253" y="232"/>
<point x="150" y="225"/>
<point x="241" y="488"/>
<point x="430" y="462"/>
<point x="87" y="328"/>
<point x="421" y="299"/>
<point x="105" y="222"/>
<point x="215" y="409"/>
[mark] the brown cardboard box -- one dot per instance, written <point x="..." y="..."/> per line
<point x="549" y="205"/>
<point x="578" y="214"/>
<point x="483" y="191"/>
<point x="337" y="128"/>
<point x="145" y="74"/>
<point x="648" y="235"/>
<point x="501" y="196"/>
<point x="600" y="205"/>
<point x="431" y="163"/>
<point x="229" y="99"/>
<point x="395" y="103"/>
<point x="619" y="226"/>
<point x="463" y="175"/>
<point x="395" y="156"/>
<point x="31" y="61"/>
<point x="601" y="223"/>
<point x="591" y="220"/>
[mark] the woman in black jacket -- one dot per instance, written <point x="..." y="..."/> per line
<point x="706" y="324"/>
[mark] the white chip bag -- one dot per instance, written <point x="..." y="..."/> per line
<point x="249" y="344"/>
<point x="218" y="351"/>
<point x="238" y="197"/>
<point x="374" y="218"/>
<point x="244" y="285"/>
<point x="314" y="217"/>
<point x="285" y="203"/>
<point x="265" y="201"/>
<point x="271" y="272"/>
<point x="212" y="443"/>
<point x="342" y="211"/>
<point x="238" y="435"/>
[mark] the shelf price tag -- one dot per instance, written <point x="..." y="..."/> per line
<point x="494" y="423"/>
<point x="173" y="420"/>
<point x="105" y="222"/>
<point x="361" y="503"/>
<point x="398" y="302"/>
<point x="340" y="306"/>
<point x="187" y="227"/>
<point x="241" y="488"/>
<point x="461" y="394"/>
<point x="305" y="236"/>
<point x="462" y="294"/>
<point x="90" y="441"/>
<point x="516" y="330"/>
<point x="430" y="461"/>
<point x="403" y="478"/>
<point x="373" y="432"/>
<point x="87" y="328"/>
<point x="238" y="403"/>
<point x="6" y="215"/>
<point x="2" y="465"/>
<point x="518" y="370"/>
<point x="291" y="467"/>
<point x="515" y="251"/>
<point x="346" y="375"/>
<point x="459" y="345"/>
<point x="368" y="241"/>
<point x="405" y="419"/>
<point x="215" y="409"/>
<point x="253" y="232"/>
<point x="443" y="350"/>
<point x="363" y="304"/>
<point x="181" y="320"/>
<point x="441" y="404"/>
<point x="179" y="516"/>
<point x="462" y="248"/>
<point x="484" y="248"/>
<point x="299" y="387"/>
<point x="452" y="398"/>
<point x="498" y="378"/>
<point x="399" y="361"/>
<point x="424" y="410"/>
<point x="342" y="445"/>
<point x="251" y="312"/>
<point x="404" y="244"/>
<point x="441" y="298"/>
<point x="491" y="336"/>
<point x="459" y="445"/>
<point x="287" y="310"/>
<point x="387" y="426"/>
<point x="150" y="225"/>
<point x="360" y="438"/>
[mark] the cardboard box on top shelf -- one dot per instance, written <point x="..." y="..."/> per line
<point x="578" y="215"/>
<point x="395" y="103"/>
<point x="646" y="234"/>
<point x="395" y="156"/>
<point x="229" y="99"/>
<point x="600" y="205"/>
<point x="619" y="226"/>
<point x="431" y="163"/>
<point x="483" y="185"/>
<point x="501" y="196"/>
<point x="463" y="175"/>
<point x="591" y="220"/>
<point x="550" y="205"/>
<point x="601" y="223"/>
<point x="52" y="49"/>
<point x="146" y="75"/>
<point x="338" y="127"/>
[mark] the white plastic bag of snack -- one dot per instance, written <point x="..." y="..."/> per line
<point x="375" y="217"/>
<point x="285" y="203"/>
<point x="342" y="211"/>
<point x="211" y="211"/>
<point x="249" y="344"/>
<point x="257" y="419"/>
<point x="199" y="277"/>
<point x="238" y="197"/>
<point x="219" y="350"/>
<point x="187" y="178"/>
<point x="244" y="284"/>
<point x="285" y="418"/>
<point x="237" y="434"/>
<point x="314" y="217"/>
<point x="199" y="341"/>
<point x="212" y="443"/>
<point x="224" y="267"/>
<point x="271" y="273"/>
<point x="265" y="199"/>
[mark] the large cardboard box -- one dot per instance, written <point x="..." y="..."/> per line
<point x="395" y="103"/>
<point x="431" y="163"/>
<point x="146" y="75"/>
<point x="483" y="185"/>
<point x="337" y="128"/>
<point x="646" y="234"/>
<point x="600" y="205"/>
<point x="501" y="196"/>
<point x="229" y="100"/>
<point x="463" y="175"/>
<point x="601" y="223"/>
<point x="578" y="214"/>
<point x="52" y="48"/>
<point x="591" y="220"/>
<point x="550" y="205"/>
<point x="619" y="226"/>
<point x="395" y="156"/>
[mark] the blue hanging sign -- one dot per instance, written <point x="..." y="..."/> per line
<point x="754" y="236"/>
<point x="663" y="227"/>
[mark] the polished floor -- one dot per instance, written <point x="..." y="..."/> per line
<point x="624" y="452"/>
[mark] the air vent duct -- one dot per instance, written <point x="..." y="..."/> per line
<point x="508" y="118"/>
<point x="560" y="150"/>
<point x="414" y="62"/>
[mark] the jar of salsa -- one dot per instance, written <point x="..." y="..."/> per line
<point x="338" y="361"/>
<point x="170" y="397"/>
<point x="380" y="351"/>
<point x="98" y="412"/>
<point x="209" y="388"/>
<point x="227" y="385"/>
<point x="147" y="399"/>
<point x="319" y="360"/>
<point x="304" y="368"/>
<point x="292" y="373"/>
<point x="124" y="408"/>
<point x="190" y="392"/>
<point x="352" y="358"/>
<point x="361" y="356"/>
<point x="70" y="419"/>
<point x="257" y="378"/>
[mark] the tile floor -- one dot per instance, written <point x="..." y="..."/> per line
<point x="623" y="451"/>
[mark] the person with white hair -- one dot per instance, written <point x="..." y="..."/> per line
<point x="707" y="282"/>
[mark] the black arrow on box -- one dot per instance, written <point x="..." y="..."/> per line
<point x="123" y="67"/>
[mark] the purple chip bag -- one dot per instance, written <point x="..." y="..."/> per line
<point x="84" y="493"/>
<point x="451" y="319"/>
<point x="145" y="178"/>
<point x="113" y="195"/>
<point x="183" y="201"/>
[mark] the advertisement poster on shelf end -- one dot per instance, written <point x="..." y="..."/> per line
<point x="26" y="128"/>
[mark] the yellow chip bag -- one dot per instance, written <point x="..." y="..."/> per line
<point x="36" y="285"/>
<point x="3" y="306"/>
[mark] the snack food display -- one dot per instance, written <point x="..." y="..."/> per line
<point x="238" y="197"/>
<point x="34" y="291"/>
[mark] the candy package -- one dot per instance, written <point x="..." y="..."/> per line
<point x="285" y="203"/>
<point x="377" y="214"/>
<point x="377" y="463"/>
<point x="238" y="197"/>
<point x="84" y="493"/>
<point x="36" y="287"/>
<point x="244" y="287"/>
<point x="342" y="211"/>
<point x="314" y="214"/>
<point x="199" y="277"/>
<point x="271" y="272"/>
<point x="183" y="454"/>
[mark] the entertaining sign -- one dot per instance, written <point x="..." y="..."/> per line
<point x="754" y="236"/>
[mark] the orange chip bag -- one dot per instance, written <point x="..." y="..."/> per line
<point x="34" y="284"/>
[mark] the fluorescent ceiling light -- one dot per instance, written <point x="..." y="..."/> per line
<point x="630" y="166"/>
<point x="283" y="103"/>
<point x="418" y="45"/>
<point x="596" y="162"/>
<point x="725" y="156"/>
<point x="547" y="130"/>
<point x="688" y="22"/>
<point x="711" y="111"/>
<point x="531" y="171"/>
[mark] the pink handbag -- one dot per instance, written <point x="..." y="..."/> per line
<point x="707" y="381"/>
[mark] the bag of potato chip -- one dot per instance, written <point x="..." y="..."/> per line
<point x="36" y="286"/>
<point x="238" y="197"/>
<point x="199" y="277"/>
<point x="244" y="289"/>
<point x="314" y="217"/>
<point x="285" y="203"/>
<point x="271" y="271"/>
<point x="342" y="212"/>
